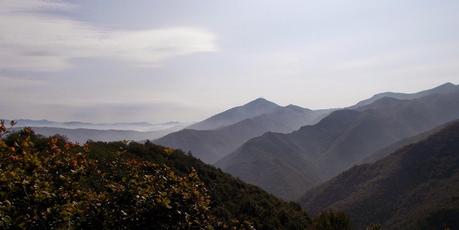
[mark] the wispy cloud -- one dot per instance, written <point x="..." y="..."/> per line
<point x="33" y="39"/>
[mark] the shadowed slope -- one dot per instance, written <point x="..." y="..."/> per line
<point x="416" y="187"/>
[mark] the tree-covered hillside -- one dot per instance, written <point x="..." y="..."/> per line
<point x="52" y="183"/>
<point x="231" y="200"/>
<point x="416" y="187"/>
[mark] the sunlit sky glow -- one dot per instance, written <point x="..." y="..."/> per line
<point x="157" y="61"/>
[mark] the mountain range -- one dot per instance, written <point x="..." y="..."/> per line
<point x="416" y="187"/>
<point x="392" y="159"/>
<point x="288" y="149"/>
<point x="289" y="164"/>
<point x="212" y="145"/>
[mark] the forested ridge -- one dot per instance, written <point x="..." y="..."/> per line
<point x="51" y="183"/>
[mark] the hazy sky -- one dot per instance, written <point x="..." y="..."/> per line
<point x="108" y="61"/>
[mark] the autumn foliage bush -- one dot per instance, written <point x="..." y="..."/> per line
<point x="54" y="184"/>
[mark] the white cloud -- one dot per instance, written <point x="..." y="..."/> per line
<point x="34" y="40"/>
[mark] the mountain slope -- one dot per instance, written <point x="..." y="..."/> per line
<point x="416" y="187"/>
<point x="231" y="198"/>
<point x="399" y="144"/>
<point x="212" y="145"/>
<point x="441" y="89"/>
<point x="252" y="109"/>
<point x="338" y="141"/>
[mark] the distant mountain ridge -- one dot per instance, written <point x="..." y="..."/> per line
<point x="212" y="145"/>
<point x="441" y="89"/>
<point x="273" y="161"/>
<point x="416" y="187"/>
<point x="135" y="126"/>
<point x="83" y="135"/>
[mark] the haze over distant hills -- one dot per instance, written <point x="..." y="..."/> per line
<point x="416" y="187"/>
<point x="83" y="135"/>
<point x="212" y="145"/>
<point x="289" y="164"/>
<point x="135" y="126"/>
<point x="83" y="131"/>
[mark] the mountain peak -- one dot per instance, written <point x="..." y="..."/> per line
<point x="261" y="102"/>
<point x="446" y="86"/>
<point x="231" y="116"/>
<point x="260" y="99"/>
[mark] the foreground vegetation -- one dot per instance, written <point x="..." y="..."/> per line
<point x="50" y="183"/>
